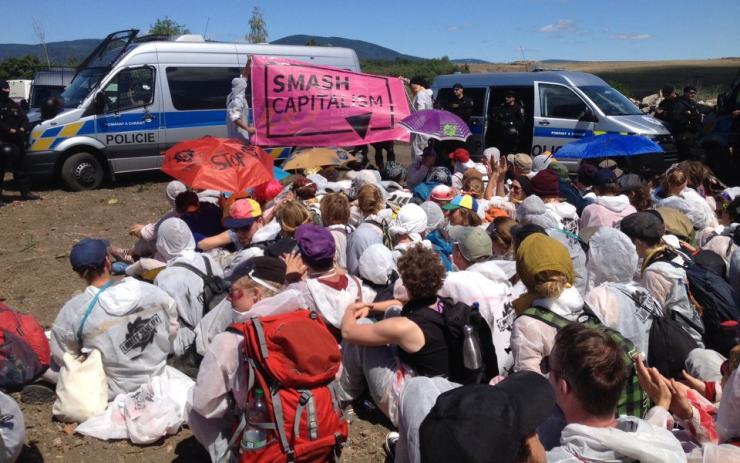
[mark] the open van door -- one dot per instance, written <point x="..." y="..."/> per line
<point x="127" y="119"/>
<point x="560" y="117"/>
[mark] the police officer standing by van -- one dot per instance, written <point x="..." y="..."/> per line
<point x="13" y="137"/>
<point x="460" y="105"/>
<point x="686" y="126"/>
<point x="508" y="120"/>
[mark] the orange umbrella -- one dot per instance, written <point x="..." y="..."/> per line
<point x="218" y="163"/>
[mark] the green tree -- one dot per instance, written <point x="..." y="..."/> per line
<point x="312" y="43"/>
<point x="19" y="68"/>
<point x="167" y="27"/>
<point x="257" y="27"/>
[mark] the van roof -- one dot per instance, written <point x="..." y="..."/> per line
<point x="515" y="79"/>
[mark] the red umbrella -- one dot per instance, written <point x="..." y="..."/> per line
<point x="218" y="163"/>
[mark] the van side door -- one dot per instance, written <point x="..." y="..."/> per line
<point x="127" y="121"/>
<point x="560" y="117"/>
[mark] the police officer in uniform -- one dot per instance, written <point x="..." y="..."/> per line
<point x="664" y="111"/>
<point x="13" y="137"/>
<point x="686" y="126"/>
<point x="461" y="106"/>
<point x="508" y="120"/>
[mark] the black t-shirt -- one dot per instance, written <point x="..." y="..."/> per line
<point x="433" y="359"/>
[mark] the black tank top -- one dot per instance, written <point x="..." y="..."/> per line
<point x="432" y="359"/>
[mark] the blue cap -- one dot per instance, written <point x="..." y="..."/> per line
<point x="88" y="251"/>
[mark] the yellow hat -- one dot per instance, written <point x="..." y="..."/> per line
<point x="539" y="253"/>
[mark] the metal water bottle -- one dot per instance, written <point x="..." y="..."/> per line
<point x="472" y="359"/>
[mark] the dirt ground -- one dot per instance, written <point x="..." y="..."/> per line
<point x="35" y="239"/>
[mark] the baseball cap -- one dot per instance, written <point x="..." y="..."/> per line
<point x="441" y="193"/>
<point x="242" y="213"/>
<point x="689" y="88"/>
<point x="457" y="85"/>
<point x="483" y="423"/>
<point x="262" y="269"/>
<point x="88" y="252"/>
<point x="316" y="245"/>
<point x="465" y="201"/>
<point x="604" y="177"/>
<point x="521" y="160"/>
<point x="587" y="173"/>
<point x="647" y="226"/>
<point x="561" y="170"/>
<point x="473" y="242"/>
<point x="492" y="154"/>
<point x="611" y="164"/>
<point x="542" y="161"/>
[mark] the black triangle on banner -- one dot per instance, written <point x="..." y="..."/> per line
<point x="360" y="123"/>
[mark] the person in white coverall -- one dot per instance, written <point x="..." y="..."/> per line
<point x="421" y="100"/>
<point x="131" y="323"/>
<point x="237" y="107"/>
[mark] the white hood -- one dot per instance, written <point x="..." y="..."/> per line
<point x="568" y="305"/>
<point x="563" y="210"/>
<point x="120" y="298"/>
<point x="489" y="269"/>
<point x="632" y="440"/>
<point x="613" y="203"/>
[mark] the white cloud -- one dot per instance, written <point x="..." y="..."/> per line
<point x="633" y="36"/>
<point x="560" y="26"/>
<point x="453" y="28"/>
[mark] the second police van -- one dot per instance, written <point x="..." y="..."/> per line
<point x="134" y="97"/>
<point x="559" y="107"/>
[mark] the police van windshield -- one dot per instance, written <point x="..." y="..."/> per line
<point x="81" y="86"/>
<point x="610" y="101"/>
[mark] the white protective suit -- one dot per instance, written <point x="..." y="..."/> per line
<point x="422" y="100"/>
<point x="12" y="429"/>
<point x="237" y="108"/>
<point x="612" y="263"/>
<point x="376" y="267"/>
<point x="175" y="243"/>
<point x="132" y="325"/>
<point x="632" y="440"/>
<point x="412" y="222"/>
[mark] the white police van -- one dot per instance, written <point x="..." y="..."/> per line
<point x="134" y="97"/>
<point x="559" y="107"/>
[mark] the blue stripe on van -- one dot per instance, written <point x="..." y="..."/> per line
<point x="87" y="128"/>
<point x="206" y="118"/>
<point x="561" y="133"/>
<point x="53" y="132"/>
<point x="56" y="142"/>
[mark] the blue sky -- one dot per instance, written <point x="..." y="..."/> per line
<point x="492" y="30"/>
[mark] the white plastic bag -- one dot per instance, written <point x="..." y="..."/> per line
<point x="82" y="389"/>
<point x="109" y="425"/>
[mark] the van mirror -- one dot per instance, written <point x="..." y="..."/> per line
<point x="588" y="116"/>
<point x="99" y="103"/>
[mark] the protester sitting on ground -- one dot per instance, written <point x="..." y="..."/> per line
<point x="335" y="217"/>
<point x="534" y="211"/>
<point x="482" y="423"/>
<point x="147" y="234"/>
<point x="675" y="188"/>
<point x="615" y="298"/>
<point x="203" y="218"/>
<point x="243" y="221"/>
<point x="461" y="162"/>
<point x="378" y="273"/>
<point x="408" y="229"/>
<point x="585" y="180"/>
<point x="568" y="192"/>
<point x="368" y="357"/>
<point x="545" y="268"/>
<point x="520" y="188"/>
<point x="326" y="289"/>
<point x="545" y="185"/>
<point x="588" y="374"/>
<point x="13" y="429"/>
<point x="130" y="322"/>
<point x="182" y="281"/>
<point x="639" y="197"/>
<point x="441" y="195"/>
<point x="436" y="233"/>
<point x="609" y="207"/>
<point x="289" y="215"/>
<point x="662" y="270"/>
<point x="463" y="210"/>
<point x="502" y="241"/>
<point x="520" y="164"/>
<point x="220" y="391"/>
<point x="436" y="176"/>
<point x="370" y="203"/>
<point x="420" y="166"/>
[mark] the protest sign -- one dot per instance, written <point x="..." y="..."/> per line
<point x="297" y="104"/>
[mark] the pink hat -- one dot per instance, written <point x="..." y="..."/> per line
<point x="242" y="213"/>
<point x="441" y="193"/>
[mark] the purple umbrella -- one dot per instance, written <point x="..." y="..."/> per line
<point x="437" y="124"/>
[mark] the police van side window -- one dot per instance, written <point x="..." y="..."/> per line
<point x="131" y="88"/>
<point x="200" y="87"/>
<point x="560" y="102"/>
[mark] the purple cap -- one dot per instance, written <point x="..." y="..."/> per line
<point x="316" y="245"/>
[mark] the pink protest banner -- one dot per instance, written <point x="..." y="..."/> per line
<point x="297" y="104"/>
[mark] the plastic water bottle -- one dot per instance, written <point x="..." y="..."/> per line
<point x="255" y="438"/>
<point x="472" y="359"/>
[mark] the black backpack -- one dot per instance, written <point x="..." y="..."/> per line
<point x="456" y="315"/>
<point x="668" y="343"/>
<point x="215" y="288"/>
<point x="717" y="302"/>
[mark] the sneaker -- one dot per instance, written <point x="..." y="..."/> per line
<point x="38" y="393"/>
<point x="391" y="439"/>
<point x="29" y="196"/>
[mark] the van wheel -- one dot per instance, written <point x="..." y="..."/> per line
<point x="82" y="171"/>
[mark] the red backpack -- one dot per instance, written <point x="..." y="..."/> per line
<point x="294" y="359"/>
<point x="29" y="330"/>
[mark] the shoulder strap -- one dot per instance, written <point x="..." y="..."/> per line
<point x="194" y="269"/>
<point x="207" y="263"/>
<point x="90" y="306"/>
<point x="546" y="316"/>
